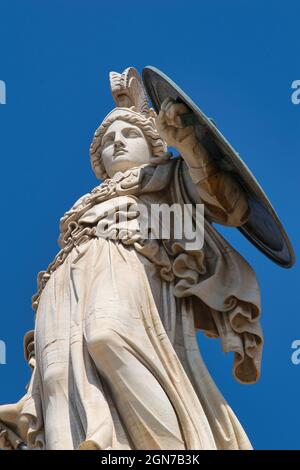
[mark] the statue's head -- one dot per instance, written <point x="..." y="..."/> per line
<point x="128" y="136"/>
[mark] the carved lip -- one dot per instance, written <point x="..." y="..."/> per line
<point x="119" y="152"/>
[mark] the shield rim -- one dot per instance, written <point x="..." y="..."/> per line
<point x="235" y="160"/>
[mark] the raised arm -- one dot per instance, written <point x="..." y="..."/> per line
<point x="219" y="191"/>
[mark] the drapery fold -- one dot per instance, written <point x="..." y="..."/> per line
<point x="169" y="293"/>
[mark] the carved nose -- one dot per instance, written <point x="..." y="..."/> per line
<point x="119" y="144"/>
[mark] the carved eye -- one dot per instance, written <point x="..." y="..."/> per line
<point x="107" y="140"/>
<point x="132" y="133"/>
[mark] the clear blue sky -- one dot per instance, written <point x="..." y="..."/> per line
<point x="237" y="60"/>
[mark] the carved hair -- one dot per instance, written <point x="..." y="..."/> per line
<point x="132" y="106"/>
<point x="146" y="124"/>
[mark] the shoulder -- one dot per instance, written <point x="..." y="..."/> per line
<point x="80" y="201"/>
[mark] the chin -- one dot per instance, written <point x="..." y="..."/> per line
<point x="123" y="164"/>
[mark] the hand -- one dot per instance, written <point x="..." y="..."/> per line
<point x="5" y="443"/>
<point x="11" y="416"/>
<point x="170" y="127"/>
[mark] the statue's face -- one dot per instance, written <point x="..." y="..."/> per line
<point x="124" y="146"/>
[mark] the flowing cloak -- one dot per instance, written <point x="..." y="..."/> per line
<point x="167" y="293"/>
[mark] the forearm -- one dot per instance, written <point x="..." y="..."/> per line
<point x="219" y="190"/>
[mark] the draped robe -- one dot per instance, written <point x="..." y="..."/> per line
<point x="117" y="360"/>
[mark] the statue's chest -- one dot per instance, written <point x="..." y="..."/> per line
<point x="129" y="218"/>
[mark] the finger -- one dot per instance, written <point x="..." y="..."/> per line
<point x="182" y="109"/>
<point x="163" y="104"/>
<point x="178" y="122"/>
<point x="176" y="109"/>
<point x="170" y="112"/>
<point x="169" y="105"/>
<point x="166" y="102"/>
<point x="161" y="118"/>
<point x="173" y="114"/>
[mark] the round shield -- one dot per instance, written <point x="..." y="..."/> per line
<point x="263" y="227"/>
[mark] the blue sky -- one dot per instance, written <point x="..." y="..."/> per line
<point x="237" y="59"/>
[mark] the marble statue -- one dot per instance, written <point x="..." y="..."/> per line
<point x="114" y="356"/>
